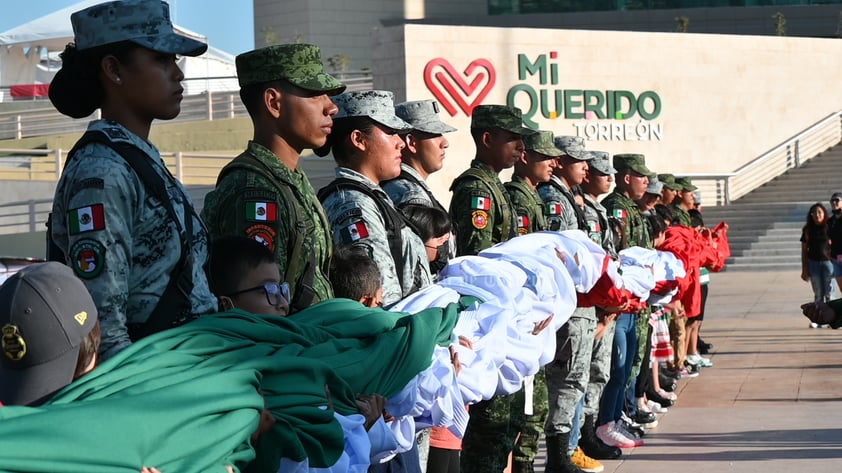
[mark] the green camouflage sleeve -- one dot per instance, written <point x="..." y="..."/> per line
<point x="472" y="216"/>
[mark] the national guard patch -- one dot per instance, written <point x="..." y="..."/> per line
<point x="353" y="232"/>
<point x="479" y="219"/>
<point x="263" y="234"/>
<point x="554" y="208"/>
<point x="262" y="211"/>
<point x="89" y="183"/>
<point x="86" y="219"/>
<point x="479" y="202"/>
<point x="87" y="258"/>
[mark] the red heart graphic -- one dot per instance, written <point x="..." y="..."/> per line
<point x="439" y="72"/>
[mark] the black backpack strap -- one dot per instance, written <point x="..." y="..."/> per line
<point x="174" y="307"/>
<point x="409" y="177"/>
<point x="505" y="210"/>
<point x="393" y="220"/>
<point x="301" y="289"/>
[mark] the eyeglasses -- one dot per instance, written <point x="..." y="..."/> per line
<point x="276" y="293"/>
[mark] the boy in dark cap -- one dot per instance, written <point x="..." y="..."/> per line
<point x="684" y="201"/>
<point x="50" y="333"/>
<point x="262" y="194"/>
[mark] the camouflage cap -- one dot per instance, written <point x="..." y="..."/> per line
<point x="573" y="146"/>
<point x="669" y="182"/>
<point x="379" y="105"/>
<point x="423" y="115"/>
<point x="299" y="64"/>
<point x="685" y="183"/>
<point x="634" y="162"/>
<point x="499" y="116"/>
<point x="655" y="186"/>
<point x="601" y="163"/>
<point x="143" y="22"/>
<point x="542" y="143"/>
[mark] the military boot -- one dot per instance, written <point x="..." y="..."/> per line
<point x="593" y="446"/>
<point x="558" y="457"/>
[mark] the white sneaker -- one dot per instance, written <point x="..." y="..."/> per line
<point x="656" y="408"/>
<point x="700" y="360"/>
<point x="609" y="436"/>
<point x="621" y="429"/>
<point x="814" y="325"/>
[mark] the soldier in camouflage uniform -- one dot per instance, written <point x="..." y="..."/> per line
<point x="567" y="374"/>
<point x="367" y="148"/>
<point x="670" y="190"/>
<point x="632" y="178"/>
<point x="535" y="166"/>
<point x="684" y="201"/>
<point x="263" y="194"/>
<point x="482" y="214"/>
<point x="114" y="231"/>
<point x="598" y="182"/>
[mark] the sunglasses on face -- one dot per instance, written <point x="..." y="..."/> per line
<point x="276" y="293"/>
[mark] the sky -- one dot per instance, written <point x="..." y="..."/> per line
<point x="228" y="24"/>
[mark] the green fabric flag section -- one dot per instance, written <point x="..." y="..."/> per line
<point x="187" y="399"/>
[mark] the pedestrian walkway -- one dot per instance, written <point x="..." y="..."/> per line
<point x="773" y="400"/>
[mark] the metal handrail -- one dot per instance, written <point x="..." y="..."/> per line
<point x="792" y="153"/>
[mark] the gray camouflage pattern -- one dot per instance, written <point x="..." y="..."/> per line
<point x="599" y="230"/>
<point x="300" y="64"/>
<point x="144" y="22"/>
<point x="573" y="146"/>
<point x="553" y="198"/>
<point x="347" y="207"/>
<point x="379" y="105"/>
<point x="569" y="372"/>
<point x="140" y="244"/>
<point x="601" y="162"/>
<point x="600" y="369"/>
<point x="423" y="115"/>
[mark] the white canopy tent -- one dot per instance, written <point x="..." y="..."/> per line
<point x="25" y="47"/>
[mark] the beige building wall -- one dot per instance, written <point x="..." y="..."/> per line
<point x="725" y="99"/>
<point x="345" y="27"/>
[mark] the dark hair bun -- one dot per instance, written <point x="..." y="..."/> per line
<point x="74" y="91"/>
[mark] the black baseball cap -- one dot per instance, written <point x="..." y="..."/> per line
<point x="45" y="314"/>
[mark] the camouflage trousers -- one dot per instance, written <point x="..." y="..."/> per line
<point x="644" y="342"/>
<point x="492" y="429"/>
<point x="526" y="448"/>
<point x="600" y="369"/>
<point x="568" y="373"/>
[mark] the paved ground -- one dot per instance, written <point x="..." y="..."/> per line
<point x="773" y="400"/>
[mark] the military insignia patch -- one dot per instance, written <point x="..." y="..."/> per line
<point x="262" y="211"/>
<point x="87" y="258"/>
<point x="263" y="234"/>
<point x="86" y="219"/>
<point x="554" y="208"/>
<point x="620" y="213"/>
<point x="481" y="203"/>
<point x="522" y="231"/>
<point x="355" y="231"/>
<point x="479" y="219"/>
<point x="14" y="345"/>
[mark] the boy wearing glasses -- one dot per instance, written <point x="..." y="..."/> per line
<point x="245" y="275"/>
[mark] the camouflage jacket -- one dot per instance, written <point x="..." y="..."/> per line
<point x="682" y="217"/>
<point x="480" y="210"/>
<point x="622" y="207"/>
<point x="356" y="220"/>
<point x="558" y="205"/>
<point x="598" y="228"/>
<point x="248" y="203"/>
<point x="119" y="239"/>
<point x="528" y="207"/>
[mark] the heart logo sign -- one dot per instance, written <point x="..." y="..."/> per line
<point x="454" y="89"/>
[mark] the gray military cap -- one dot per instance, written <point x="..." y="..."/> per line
<point x="143" y="22"/>
<point x="601" y="163"/>
<point x="573" y="146"/>
<point x="655" y="186"/>
<point x="423" y="115"/>
<point x="379" y="105"/>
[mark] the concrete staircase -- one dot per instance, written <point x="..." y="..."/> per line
<point x="765" y="225"/>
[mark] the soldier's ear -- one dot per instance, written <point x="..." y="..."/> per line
<point x="411" y="143"/>
<point x="272" y="101"/>
<point x="487" y="139"/>
<point x="225" y="303"/>
<point x="357" y="138"/>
